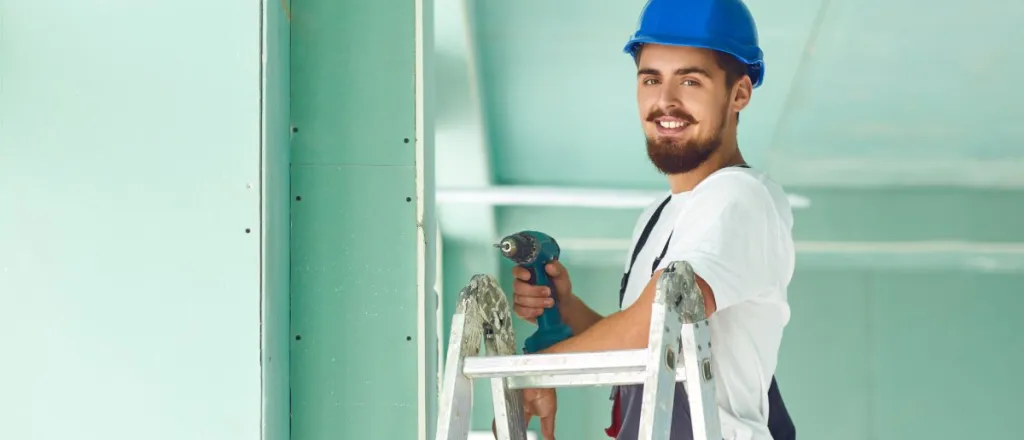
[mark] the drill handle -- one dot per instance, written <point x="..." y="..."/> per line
<point x="551" y="318"/>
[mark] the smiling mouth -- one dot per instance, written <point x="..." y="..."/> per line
<point x="670" y="126"/>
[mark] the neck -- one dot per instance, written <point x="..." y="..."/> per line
<point x="727" y="155"/>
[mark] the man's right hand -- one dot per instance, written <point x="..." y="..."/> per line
<point x="530" y="301"/>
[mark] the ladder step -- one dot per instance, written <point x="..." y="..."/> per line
<point x="620" y="367"/>
<point x="583" y="380"/>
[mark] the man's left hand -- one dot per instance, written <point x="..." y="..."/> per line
<point x="540" y="402"/>
<point x="543" y="403"/>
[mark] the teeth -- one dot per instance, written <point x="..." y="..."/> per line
<point x="671" y="124"/>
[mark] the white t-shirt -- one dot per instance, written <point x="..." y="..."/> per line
<point x="735" y="229"/>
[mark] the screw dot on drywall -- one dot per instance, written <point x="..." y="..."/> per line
<point x="408" y="338"/>
<point x="408" y="199"/>
<point x="295" y="129"/>
<point x="298" y="337"/>
<point x="298" y="198"/>
<point x="247" y="230"/>
<point x="406" y="140"/>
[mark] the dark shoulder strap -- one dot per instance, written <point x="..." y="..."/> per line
<point x="664" y="250"/>
<point x="640" y="245"/>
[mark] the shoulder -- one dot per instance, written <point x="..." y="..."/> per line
<point x="740" y="219"/>
<point x="747" y="189"/>
<point x="738" y="183"/>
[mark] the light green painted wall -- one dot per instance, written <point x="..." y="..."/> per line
<point x="904" y="354"/>
<point x="363" y="338"/>
<point x="132" y="165"/>
<point x="134" y="300"/>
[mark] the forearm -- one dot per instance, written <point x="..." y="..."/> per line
<point x="577" y="315"/>
<point x="627" y="329"/>
<point x="622" y="330"/>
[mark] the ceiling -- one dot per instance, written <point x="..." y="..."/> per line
<point x="891" y="123"/>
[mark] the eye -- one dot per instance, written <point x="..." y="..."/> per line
<point x="690" y="82"/>
<point x="650" y="81"/>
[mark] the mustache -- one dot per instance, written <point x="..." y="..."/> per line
<point x="675" y="113"/>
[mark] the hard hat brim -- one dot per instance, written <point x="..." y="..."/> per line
<point x="752" y="58"/>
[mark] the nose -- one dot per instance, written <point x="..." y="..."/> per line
<point x="668" y="97"/>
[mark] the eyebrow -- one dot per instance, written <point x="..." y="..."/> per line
<point x="679" y="72"/>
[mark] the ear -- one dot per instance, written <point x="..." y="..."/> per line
<point x="741" y="92"/>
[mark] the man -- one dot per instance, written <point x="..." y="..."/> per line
<point x="698" y="62"/>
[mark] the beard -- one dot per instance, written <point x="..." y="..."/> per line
<point x="677" y="156"/>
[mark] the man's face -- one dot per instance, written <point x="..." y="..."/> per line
<point x="684" y="105"/>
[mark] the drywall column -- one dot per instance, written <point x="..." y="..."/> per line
<point x="276" y="219"/>
<point x="363" y="356"/>
<point x="131" y="173"/>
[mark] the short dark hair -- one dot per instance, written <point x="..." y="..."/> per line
<point x="733" y="67"/>
<point x="734" y="70"/>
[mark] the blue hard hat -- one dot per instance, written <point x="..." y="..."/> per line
<point x="722" y="25"/>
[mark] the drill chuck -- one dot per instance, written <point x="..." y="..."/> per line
<point x="520" y="248"/>
<point x="507" y="246"/>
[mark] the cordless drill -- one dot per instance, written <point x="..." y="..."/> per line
<point x="533" y="250"/>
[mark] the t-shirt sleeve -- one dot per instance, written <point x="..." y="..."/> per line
<point x="729" y="233"/>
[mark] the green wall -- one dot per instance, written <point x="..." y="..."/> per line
<point x="133" y="169"/>
<point x="363" y="306"/>
<point x="888" y="354"/>
<point x="168" y="176"/>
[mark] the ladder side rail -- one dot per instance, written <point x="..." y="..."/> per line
<point x="500" y="340"/>
<point x="695" y="361"/>
<point x="456" y="400"/>
<point x="662" y="361"/>
<point x="466" y="336"/>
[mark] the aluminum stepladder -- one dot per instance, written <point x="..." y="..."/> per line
<point x="679" y="350"/>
